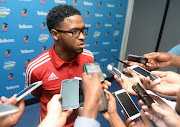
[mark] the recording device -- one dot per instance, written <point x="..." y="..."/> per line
<point x="143" y="72"/>
<point x="112" y="70"/>
<point x="139" y="59"/>
<point x="7" y="109"/>
<point x="142" y="94"/>
<point x="89" y="68"/>
<point x="126" y="103"/>
<point x="28" y="90"/>
<point x="70" y="94"/>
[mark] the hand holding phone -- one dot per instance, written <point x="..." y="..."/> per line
<point x="139" y="59"/>
<point x="7" y="109"/>
<point x="127" y="104"/>
<point x="112" y="70"/>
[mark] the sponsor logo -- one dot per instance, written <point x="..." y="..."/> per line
<point x="10" y="76"/>
<point x="116" y="33"/>
<point x="7" y="53"/>
<point x="104" y="51"/>
<point x="106" y="43"/>
<point x="24" y="74"/>
<point x="96" y="34"/>
<point x="24" y="0"/>
<point x="88" y="3"/>
<point x="27" y="61"/>
<point x="4" y="27"/>
<point x="118" y="16"/>
<point x="98" y="15"/>
<point x="52" y="77"/>
<point x="43" y="37"/>
<point x="25" y="26"/>
<point x="43" y="48"/>
<point x="115" y="41"/>
<point x="3" y="0"/>
<point x="95" y="53"/>
<point x="26" y="51"/>
<point x="74" y="2"/>
<point x="12" y="87"/>
<point x="117" y="24"/>
<point x="6" y="40"/>
<point x="99" y="4"/>
<point x="42" y="13"/>
<point x="87" y="14"/>
<point x="4" y="12"/>
<point x="104" y="59"/>
<point x="107" y="34"/>
<point x="97" y="25"/>
<point x="43" y="25"/>
<point x="87" y="45"/>
<point x="102" y="67"/>
<point x="112" y="58"/>
<point x="26" y="39"/>
<point x="9" y="65"/>
<point x="42" y="2"/>
<point x="60" y="1"/>
<point x="110" y="5"/>
<point x="87" y="25"/>
<point x="96" y="44"/>
<point x="120" y="5"/>
<point x="113" y="50"/>
<point x="24" y="11"/>
<point x="108" y="25"/>
<point x="109" y="15"/>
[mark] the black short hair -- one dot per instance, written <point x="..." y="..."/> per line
<point x="58" y="13"/>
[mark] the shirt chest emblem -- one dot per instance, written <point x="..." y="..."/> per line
<point x="52" y="77"/>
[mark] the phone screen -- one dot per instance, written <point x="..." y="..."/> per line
<point x="116" y="72"/>
<point x="70" y="93"/>
<point x="127" y="104"/>
<point x="7" y="109"/>
<point x="94" y="68"/>
<point x="145" y="73"/>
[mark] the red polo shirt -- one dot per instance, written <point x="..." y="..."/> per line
<point x="50" y="69"/>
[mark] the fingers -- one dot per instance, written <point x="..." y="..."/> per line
<point x="160" y="73"/>
<point x="145" y="118"/>
<point x="4" y="99"/>
<point x="111" y="97"/>
<point x="106" y="84"/>
<point x="56" y="97"/>
<point x="68" y="112"/>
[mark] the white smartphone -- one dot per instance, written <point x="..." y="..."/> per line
<point x="28" y="90"/>
<point x="70" y="94"/>
<point x="127" y="104"/>
<point x="143" y="72"/>
<point x="112" y="70"/>
<point x="7" y="109"/>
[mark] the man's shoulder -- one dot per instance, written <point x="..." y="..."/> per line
<point x="87" y="53"/>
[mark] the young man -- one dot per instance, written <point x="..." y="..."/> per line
<point x="64" y="60"/>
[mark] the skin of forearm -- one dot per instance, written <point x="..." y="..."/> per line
<point x="116" y="121"/>
<point x="175" y="61"/>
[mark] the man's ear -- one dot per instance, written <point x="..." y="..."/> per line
<point x="55" y="34"/>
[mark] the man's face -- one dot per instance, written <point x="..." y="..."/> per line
<point x="67" y="41"/>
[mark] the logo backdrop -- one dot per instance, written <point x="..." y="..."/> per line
<point x="24" y="35"/>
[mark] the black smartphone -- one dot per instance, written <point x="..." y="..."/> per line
<point x="139" y="59"/>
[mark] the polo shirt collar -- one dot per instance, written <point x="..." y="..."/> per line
<point x="59" y="62"/>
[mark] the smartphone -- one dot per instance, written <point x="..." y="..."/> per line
<point x="89" y="68"/>
<point x="139" y="59"/>
<point x="7" y="109"/>
<point x="112" y="70"/>
<point x="70" y="94"/>
<point x="142" y="94"/>
<point x="28" y="90"/>
<point x="127" y="104"/>
<point x="143" y="72"/>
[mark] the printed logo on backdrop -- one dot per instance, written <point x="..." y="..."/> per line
<point x="107" y="34"/>
<point x="87" y="45"/>
<point x="10" y="76"/>
<point x="25" y="26"/>
<point x="104" y="59"/>
<point x="4" y="12"/>
<point x="114" y="50"/>
<point x="26" y="37"/>
<point x="99" y="4"/>
<point x="116" y="33"/>
<point x="6" y="40"/>
<point x="74" y="3"/>
<point x="7" y="53"/>
<point x="88" y="3"/>
<point x="98" y="15"/>
<point x="9" y="65"/>
<point x="60" y="1"/>
<point x="97" y="25"/>
<point x="102" y="67"/>
<point x="106" y="43"/>
<point x="43" y="48"/>
<point x="104" y="51"/>
<point x="108" y="25"/>
<point x="2" y="0"/>
<point x="87" y="14"/>
<point x="120" y="6"/>
<point x="110" y="5"/>
<point x="42" y="2"/>
<point x="117" y="24"/>
<point x="43" y="25"/>
<point x="96" y="44"/>
<point x="43" y="37"/>
<point x="95" y="53"/>
<point x="96" y="34"/>
<point x="118" y="16"/>
<point x="12" y="87"/>
<point x="87" y="25"/>
<point x="26" y="51"/>
<point x="112" y="58"/>
<point x="109" y="15"/>
<point x="27" y="62"/>
<point x="42" y="13"/>
<point x="115" y="41"/>
<point x="24" y="12"/>
<point x="25" y="0"/>
<point x="4" y="27"/>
